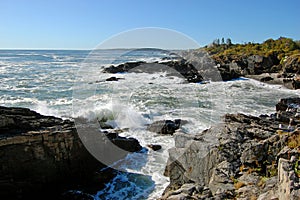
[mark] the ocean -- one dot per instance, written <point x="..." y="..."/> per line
<point x="70" y="83"/>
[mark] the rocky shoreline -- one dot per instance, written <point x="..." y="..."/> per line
<point x="267" y="69"/>
<point x="242" y="158"/>
<point x="42" y="157"/>
<point x="245" y="157"/>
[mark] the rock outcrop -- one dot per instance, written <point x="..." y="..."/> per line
<point x="43" y="156"/>
<point x="245" y="157"/>
<point x="165" y="127"/>
<point x="175" y="67"/>
<point x="262" y="68"/>
<point x="268" y="69"/>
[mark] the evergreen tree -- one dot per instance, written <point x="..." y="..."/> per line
<point x="216" y="42"/>
<point x="228" y="41"/>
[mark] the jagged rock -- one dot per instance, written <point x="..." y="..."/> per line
<point x="229" y="72"/>
<point x="258" y="64"/>
<point x="239" y="158"/>
<point x="18" y="120"/>
<point x="288" y="186"/>
<point x="291" y="64"/>
<point x="44" y="155"/>
<point x="122" y="67"/>
<point x="286" y="103"/>
<point x="166" y="127"/>
<point x="231" y="67"/>
<point x="176" y="67"/>
<point x="186" y="69"/>
<point x="221" y="178"/>
<point x="127" y="144"/>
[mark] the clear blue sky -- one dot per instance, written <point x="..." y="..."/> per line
<point x="73" y="24"/>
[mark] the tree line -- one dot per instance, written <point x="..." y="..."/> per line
<point x="218" y="42"/>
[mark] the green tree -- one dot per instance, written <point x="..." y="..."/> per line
<point x="216" y="42"/>
<point x="228" y="42"/>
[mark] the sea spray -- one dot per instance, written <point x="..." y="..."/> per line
<point x="33" y="78"/>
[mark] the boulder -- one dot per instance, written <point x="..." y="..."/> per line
<point x="291" y="64"/>
<point x="229" y="71"/>
<point x="154" y="147"/>
<point x="113" y="78"/>
<point x="259" y="64"/>
<point x="165" y="127"/>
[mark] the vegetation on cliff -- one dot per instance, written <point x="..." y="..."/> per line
<point x="280" y="48"/>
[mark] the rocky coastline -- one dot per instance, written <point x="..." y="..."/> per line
<point x="268" y="69"/>
<point x="42" y="157"/>
<point x="244" y="157"/>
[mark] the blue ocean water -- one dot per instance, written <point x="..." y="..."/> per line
<point x="45" y="80"/>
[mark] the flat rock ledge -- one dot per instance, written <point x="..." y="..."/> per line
<point x="245" y="157"/>
<point x="41" y="157"/>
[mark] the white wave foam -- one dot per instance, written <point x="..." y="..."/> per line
<point x="127" y="186"/>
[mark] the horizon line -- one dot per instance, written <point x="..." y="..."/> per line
<point x="67" y="49"/>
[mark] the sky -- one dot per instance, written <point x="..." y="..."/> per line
<point x="84" y="24"/>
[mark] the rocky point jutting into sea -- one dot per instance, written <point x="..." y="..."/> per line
<point x="168" y="108"/>
<point x="245" y="157"/>
<point x="43" y="157"/>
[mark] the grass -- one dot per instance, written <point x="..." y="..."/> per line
<point x="294" y="140"/>
<point x="238" y="185"/>
<point x="262" y="182"/>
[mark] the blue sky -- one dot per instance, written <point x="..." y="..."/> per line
<point x="66" y="24"/>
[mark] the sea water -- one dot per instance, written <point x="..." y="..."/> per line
<point x="45" y="80"/>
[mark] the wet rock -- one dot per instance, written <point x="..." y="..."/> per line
<point x="286" y="103"/>
<point x="127" y="144"/>
<point x="266" y="79"/>
<point x="122" y="67"/>
<point x="113" y="78"/>
<point x="296" y="83"/>
<point x="228" y="72"/>
<point x="154" y="147"/>
<point x="165" y="127"/>
<point x="105" y="125"/>
<point x="176" y="67"/>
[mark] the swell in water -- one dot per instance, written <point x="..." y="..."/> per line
<point x="44" y="81"/>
